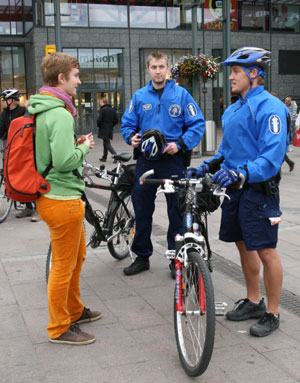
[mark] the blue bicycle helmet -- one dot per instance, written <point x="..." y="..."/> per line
<point x="248" y="57"/>
<point x="153" y="144"/>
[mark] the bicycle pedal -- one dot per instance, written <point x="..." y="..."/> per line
<point x="170" y="254"/>
<point x="220" y="308"/>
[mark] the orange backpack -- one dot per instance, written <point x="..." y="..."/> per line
<point x="23" y="183"/>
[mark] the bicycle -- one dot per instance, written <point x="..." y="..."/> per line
<point x="5" y="202"/>
<point x="116" y="225"/>
<point x="194" y="304"/>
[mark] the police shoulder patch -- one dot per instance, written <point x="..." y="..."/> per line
<point x="175" y="110"/>
<point x="274" y="124"/>
<point x="191" y="110"/>
<point x="147" y="106"/>
<point x="130" y="109"/>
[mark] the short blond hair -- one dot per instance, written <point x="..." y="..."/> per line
<point x="56" y="63"/>
<point x="158" y="55"/>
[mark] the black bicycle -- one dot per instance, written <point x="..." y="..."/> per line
<point x="194" y="304"/>
<point x="115" y="226"/>
<point x="5" y="202"/>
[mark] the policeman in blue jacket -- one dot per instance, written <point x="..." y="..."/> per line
<point x="255" y="140"/>
<point x="176" y="126"/>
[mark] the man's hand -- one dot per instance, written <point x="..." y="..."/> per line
<point x="198" y="172"/>
<point x="89" y="140"/>
<point x="226" y="177"/>
<point x="136" y="140"/>
<point x="171" y="148"/>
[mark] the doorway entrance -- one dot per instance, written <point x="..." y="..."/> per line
<point x="88" y="102"/>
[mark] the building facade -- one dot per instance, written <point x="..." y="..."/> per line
<point x="113" y="38"/>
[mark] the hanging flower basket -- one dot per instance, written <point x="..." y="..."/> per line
<point x="204" y="66"/>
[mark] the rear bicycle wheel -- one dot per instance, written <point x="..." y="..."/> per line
<point x="195" y="326"/>
<point x="5" y="202"/>
<point x="121" y="225"/>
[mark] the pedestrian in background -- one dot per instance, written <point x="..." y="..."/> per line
<point x="292" y="107"/>
<point x="106" y="121"/>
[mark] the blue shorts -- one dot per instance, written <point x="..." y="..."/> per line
<point x="245" y="217"/>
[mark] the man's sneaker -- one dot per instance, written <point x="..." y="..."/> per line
<point x="266" y="325"/>
<point x="88" y="316"/>
<point x="245" y="309"/>
<point x="35" y="216"/>
<point x="172" y="268"/>
<point x="25" y="213"/>
<point x="140" y="264"/>
<point x="74" y="336"/>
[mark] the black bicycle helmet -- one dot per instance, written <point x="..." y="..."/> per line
<point x="10" y="93"/>
<point x="153" y="144"/>
<point x="248" y="57"/>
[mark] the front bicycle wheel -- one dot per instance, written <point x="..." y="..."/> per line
<point x="195" y="326"/>
<point x="121" y="227"/>
<point x="5" y="202"/>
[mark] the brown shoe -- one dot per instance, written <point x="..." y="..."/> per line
<point x="88" y="316"/>
<point x="74" y="336"/>
<point x="24" y="213"/>
<point x="35" y="216"/>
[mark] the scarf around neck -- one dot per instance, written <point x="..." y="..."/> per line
<point x="60" y="94"/>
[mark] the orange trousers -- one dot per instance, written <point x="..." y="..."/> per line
<point x="65" y="222"/>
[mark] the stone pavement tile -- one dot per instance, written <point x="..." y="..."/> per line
<point x="36" y="321"/>
<point x="144" y="372"/>
<point x="292" y="328"/>
<point x="108" y="287"/>
<point x="161" y="299"/>
<point x="244" y="364"/>
<point x="134" y="313"/>
<point x="94" y="266"/>
<point x="22" y="272"/>
<point x="6" y="294"/>
<point x="18" y="362"/>
<point x="291" y="282"/>
<point x="12" y="323"/>
<point x="113" y="347"/>
<point x="294" y="271"/>
<point x="31" y="295"/>
<point x="3" y="276"/>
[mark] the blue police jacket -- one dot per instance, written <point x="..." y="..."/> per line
<point x="255" y="135"/>
<point x="175" y="114"/>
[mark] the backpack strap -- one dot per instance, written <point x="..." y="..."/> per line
<point x="47" y="170"/>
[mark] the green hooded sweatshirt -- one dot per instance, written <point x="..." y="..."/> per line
<point x="55" y="142"/>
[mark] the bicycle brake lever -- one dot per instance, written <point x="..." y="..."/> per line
<point x="168" y="187"/>
<point x="145" y="175"/>
<point x="220" y="193"/>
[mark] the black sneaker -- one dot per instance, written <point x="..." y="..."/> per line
<point x="266" y="325"/>
<point x="140" y="264"/>
<point x="245" y="309"/>
<point x="102" y="159"/>
<point x="173" y="269"/>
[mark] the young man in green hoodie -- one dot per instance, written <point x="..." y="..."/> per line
<point x="62" y="208"/>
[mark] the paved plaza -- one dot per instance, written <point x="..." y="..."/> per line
<point x="135" y="337"/>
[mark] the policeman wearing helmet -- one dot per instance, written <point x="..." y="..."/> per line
<point x="162" y="123"/>
<point x="255" y="140"/>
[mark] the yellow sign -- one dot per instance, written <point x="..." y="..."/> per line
<point x="49" y="49"/>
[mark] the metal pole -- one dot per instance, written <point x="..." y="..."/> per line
<point x="226" y="52"/>
<point x="57" y="26"/>
<point x="195" y="81"/>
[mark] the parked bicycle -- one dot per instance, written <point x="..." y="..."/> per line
<point x="116" y="225"/>
<point x="194" y="304"/>
<point x="5" y="202"/>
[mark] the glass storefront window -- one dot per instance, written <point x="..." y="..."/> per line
<point x="213" y="15"/>
<point x="108" y="14"/>
<point x="4" y="18"/>
<point x="85" y="58"/>
<point x="12" y="68"/>
<point x="49" y="13"/>
<point x="101" y="62"/>
<point x="147" y="14"/>
<point x="11" y="17"/>
<point x="74" y="14"/>
<point x="115" y="68"/>
<point x="285" y="17"/>
<point x="252" y="15"/>
<point x="180" y="16"/>
<point x="28" y="16"/>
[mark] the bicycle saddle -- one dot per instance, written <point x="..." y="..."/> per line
<point x="124" y="157"/>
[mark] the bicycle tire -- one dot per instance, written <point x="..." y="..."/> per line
<point x="5" y="202"/>
<point x="48" y="262"/>
<point x="194" y="328"/>
<point x="120" y="221"/>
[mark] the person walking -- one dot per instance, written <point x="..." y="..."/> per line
<point x="292" y="107"/>
<point x="163" y="124"/>
<point x="11" y="109"/>
<point x="106" y="121"/>
<point x="255" y="140"/>
<point x="62" y="208"/>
